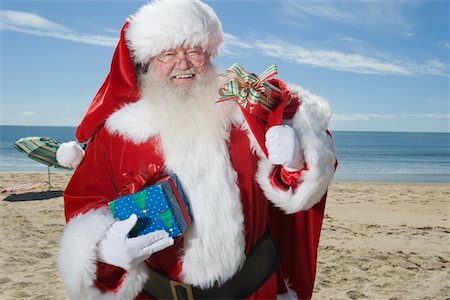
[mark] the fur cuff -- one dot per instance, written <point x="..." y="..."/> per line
<point x="310" y="123"/>
<point x="77" y="261"/>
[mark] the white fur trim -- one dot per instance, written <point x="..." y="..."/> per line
<point x="164" y="24"/>
<point x="69" y="155"/>
<point x="310" y="123"/>
<point x="77" y="260"/>
<point x="289" y="295"/>
<point x="214" y="247"/>
<point x="211" y="252"/>
<point x="133" y="122"/>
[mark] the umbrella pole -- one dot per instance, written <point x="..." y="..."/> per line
<point x="49" y="182"/>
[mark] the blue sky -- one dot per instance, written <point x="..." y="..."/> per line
<point x="382" y="65"/>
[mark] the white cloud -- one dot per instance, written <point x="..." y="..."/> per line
<point x="336" y="60"/>
<point x="408" y="34"/>
<point x="47" y="90"/>
<point x="439" y="102"/>
<point x="28" y="113"/>
<point x="377" y="15"/>
<point x="330" y="59"/>
<point x="232" y="41"/>
<point x="98" y="40"/>
<point x="370" y="117"/>
<point x="11" y="20"/>
<point x="389" y="16"/>
<point x="26" y="22"/>
<point x="444" y="44"/>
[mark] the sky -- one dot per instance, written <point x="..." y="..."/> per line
<point x="382" y="65"/>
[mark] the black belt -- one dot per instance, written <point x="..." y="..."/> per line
<point x="260" y="264"/>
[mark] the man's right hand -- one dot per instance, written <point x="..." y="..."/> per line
<point x="117" y="249"/>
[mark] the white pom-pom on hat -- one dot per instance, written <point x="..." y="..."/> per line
<point x="70" y="155"/>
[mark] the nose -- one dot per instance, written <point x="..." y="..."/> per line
<point x="183" y="62"/>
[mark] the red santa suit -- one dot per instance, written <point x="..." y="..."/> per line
<point x="236" y="196"/>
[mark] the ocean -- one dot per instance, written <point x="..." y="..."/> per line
<point x="363" y="156"/>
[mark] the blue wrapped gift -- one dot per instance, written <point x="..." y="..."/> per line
<point x="160" y="206"/>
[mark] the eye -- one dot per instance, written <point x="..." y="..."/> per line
<point x="168" y="56"/>
<point x="193" y="52"/>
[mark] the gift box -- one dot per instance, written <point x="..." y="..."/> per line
<point x="254" y="93"/>
<point x="160" y="206"/>
<point x="264" y="102"/>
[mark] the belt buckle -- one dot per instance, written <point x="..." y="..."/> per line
<point x="187" y="288"/>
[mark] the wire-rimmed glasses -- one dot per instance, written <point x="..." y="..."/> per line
<point x="195" y="57"/>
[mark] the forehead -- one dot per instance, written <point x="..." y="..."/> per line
<point x="184" y="48"/>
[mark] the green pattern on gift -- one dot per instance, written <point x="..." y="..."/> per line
<point x="139" y="199"/>
<point x="167" y="218"/>
<point x="112" y="206"/>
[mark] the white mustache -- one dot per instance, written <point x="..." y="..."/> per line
<point x="182" y="72"/>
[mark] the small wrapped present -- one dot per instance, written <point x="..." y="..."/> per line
<point x="254" y="93"/>
<point x="160" y="206"/>
<point x="264" y="102"/>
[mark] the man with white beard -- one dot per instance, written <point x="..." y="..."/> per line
<point x="256" y="220"/>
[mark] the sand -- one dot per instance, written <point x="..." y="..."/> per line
<point x="385" y="241"/>
<point x="379" y="241"/>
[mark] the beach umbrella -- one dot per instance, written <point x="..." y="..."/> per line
<point x="40" y="149"/>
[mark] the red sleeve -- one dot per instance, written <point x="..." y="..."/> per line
<point x="109" y="278"/>
<point x="283" y="179"/>
<point x="91" y="185"/>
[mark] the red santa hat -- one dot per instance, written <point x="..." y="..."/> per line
<point x="158" y="26"/>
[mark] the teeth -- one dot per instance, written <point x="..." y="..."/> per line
<point x="184" y="76"/>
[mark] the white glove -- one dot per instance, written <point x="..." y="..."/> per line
<point x="119" y="250"/>
<point x="283" y="148"/>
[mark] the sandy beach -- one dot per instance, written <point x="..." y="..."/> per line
<point x="379" y="240"/>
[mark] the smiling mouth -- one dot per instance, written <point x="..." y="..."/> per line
<point x="186" y="76"/>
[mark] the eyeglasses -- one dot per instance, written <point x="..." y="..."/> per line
<point x="195" y="57"/>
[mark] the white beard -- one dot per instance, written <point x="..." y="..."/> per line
<point x="186" y="115"/>
<point x="194" y="132"/>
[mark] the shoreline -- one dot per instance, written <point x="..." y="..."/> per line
<point x="378" y="241"/>
<point x="355" y="181"/>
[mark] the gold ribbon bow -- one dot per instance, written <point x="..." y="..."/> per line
<point x="248" y="88"/>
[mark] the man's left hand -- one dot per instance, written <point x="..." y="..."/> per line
<point x="284" y="148"/>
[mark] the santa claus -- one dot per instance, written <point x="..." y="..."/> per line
<point x="256" y="219"/>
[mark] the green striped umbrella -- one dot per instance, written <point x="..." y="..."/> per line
<point x="40" y="149"/>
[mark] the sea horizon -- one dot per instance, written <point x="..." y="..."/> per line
<point x="331" y="130"/>
<point x="364" y="156"/>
